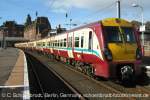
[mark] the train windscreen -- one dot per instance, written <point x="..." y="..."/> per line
<point x="128" y="33"/>
<point x="112" y="34"/>
<point x="116" y="34"/>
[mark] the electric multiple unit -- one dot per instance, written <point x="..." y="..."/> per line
<point x="107" y="48"/>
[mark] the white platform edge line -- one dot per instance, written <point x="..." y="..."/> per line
<point x="26" y="92"/>
<point x="13" y="86"/>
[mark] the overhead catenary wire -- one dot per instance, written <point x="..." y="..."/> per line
<point x="102" y="10"/>
<point x="89" y="16"/>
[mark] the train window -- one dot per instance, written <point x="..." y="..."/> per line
<point x="71" y="42"/>
<point x="61" y="43"/>
<point x="55" y="43"/>
<point x="90" y="40"/>
<point x="76" y="41"/>
<point x="64" y="42"/>
<point x="43" y="43"/>
<point x="112" y="34"/>
<point x="82" y="40"/>
<point x="50" y="43"/>
<point x="39" y="44"/>
<point x="128" y="33"/>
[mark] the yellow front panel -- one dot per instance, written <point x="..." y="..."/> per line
<point x="123" y="52"/>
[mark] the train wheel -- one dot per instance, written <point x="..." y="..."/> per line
<point x="89" y="71"/>
<point x="79" y="66"/>
<point x="67" y="61"/>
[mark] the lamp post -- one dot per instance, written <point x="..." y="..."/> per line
<point x="4" y="30"/>
<point x="142" y="28"/>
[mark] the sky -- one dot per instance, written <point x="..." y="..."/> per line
<point x="80" y="11"/>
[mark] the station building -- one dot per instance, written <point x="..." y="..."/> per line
<point x="10" y="33"/>
<point x="37" y="29"/>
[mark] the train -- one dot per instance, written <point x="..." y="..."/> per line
<point x="109" y="48"/>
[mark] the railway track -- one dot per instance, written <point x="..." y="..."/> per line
<point x="47" y="85"/>
<point x="35" y="84"/>
<point x="96" y="87"/>
<point x="110" y="86"/>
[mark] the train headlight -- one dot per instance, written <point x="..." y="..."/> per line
<point x="108" y="54"/>
<point x="138" y="54"/>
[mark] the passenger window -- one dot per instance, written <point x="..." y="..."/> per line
<point x="49" y="44"/>
<point x="64" y="42"/>
<point x="76" y="41"/>
<point x="82" y="39"/>
<point x="43" y="44"/>
<point x="55" y="43"/>
<point x="90" y="40"/>
<point x="61" y="43"/>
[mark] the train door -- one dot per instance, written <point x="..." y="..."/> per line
<point x="70" y="45"/>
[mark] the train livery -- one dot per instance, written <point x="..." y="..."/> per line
<point x="109" y="48"/>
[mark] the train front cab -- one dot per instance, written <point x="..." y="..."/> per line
<point x="122" y="49"/>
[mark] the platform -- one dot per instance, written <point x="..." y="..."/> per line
<point x="14" y="84"/>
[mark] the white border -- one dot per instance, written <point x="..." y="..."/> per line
<point x="26" y="92"/>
